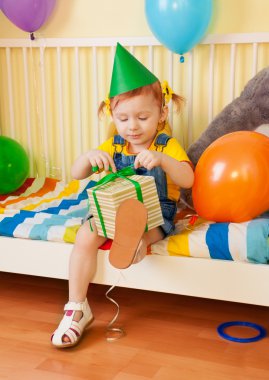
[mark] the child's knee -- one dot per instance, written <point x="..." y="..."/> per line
<point x="88" y="240"/>
<point x="85" y="236"/>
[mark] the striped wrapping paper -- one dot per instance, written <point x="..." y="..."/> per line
<point x="110" y="195"/>
<point x="47" y="209"/>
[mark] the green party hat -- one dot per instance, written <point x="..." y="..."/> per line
<point x="128" y="73"/>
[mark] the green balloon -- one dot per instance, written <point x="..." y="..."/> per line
<point x="14" y="165"/>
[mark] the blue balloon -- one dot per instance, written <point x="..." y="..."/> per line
<point x="178" y="24"/>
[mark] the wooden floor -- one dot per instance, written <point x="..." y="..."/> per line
<point x="168" y="337"/>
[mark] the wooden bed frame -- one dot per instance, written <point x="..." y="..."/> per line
<point x="216" y="279"/>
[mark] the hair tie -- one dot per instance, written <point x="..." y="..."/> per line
<point x="167" y="91"/>
<point x="107" y="105"/>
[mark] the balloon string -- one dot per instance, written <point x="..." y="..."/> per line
<point x="188" y="222"/>
<point x="35" y="168"/>
<point x="50" y="170"/>
<point x="114" y="333"/>
<point x="187" y="204"/>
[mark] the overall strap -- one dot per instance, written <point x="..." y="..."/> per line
<point x="118" y="143"/>
<point x="161" y="141"/>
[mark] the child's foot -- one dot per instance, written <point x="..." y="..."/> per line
<point x="76" y="318"/>
<point x="130" y="225"/>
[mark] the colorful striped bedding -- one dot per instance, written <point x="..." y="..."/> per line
<point x="47" y="209"/>
<point x="44" y="209"/>
<point x="246" y="241"/>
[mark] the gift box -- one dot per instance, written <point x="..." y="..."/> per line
<point x="105" y="198"/>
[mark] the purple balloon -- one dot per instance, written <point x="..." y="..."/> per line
<point x="28" y="15"/>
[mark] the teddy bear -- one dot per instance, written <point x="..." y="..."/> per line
<point x="250" y="112"/>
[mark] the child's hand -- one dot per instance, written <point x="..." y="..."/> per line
<point x="149" y="159"/>
<point x="101" y="159"/>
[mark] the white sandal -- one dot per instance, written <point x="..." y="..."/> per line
<point x="72" y="329"/>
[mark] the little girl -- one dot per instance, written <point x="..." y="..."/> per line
<point x="137" y="103"/>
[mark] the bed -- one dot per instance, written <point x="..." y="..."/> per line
<point x="38" y="223"/>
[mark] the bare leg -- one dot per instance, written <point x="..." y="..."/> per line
<point x="83" y="261"/>
<point x="82" y="264"/>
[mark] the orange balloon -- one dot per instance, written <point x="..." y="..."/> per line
<point x="232" y="178"/>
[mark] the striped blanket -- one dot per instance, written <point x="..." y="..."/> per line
<point x="47" y="209"/>
<point x="246" y="241"/>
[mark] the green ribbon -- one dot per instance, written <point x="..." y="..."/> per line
<point x="123" y="173"/>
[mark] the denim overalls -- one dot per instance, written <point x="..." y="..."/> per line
<point x="168" y="206"/>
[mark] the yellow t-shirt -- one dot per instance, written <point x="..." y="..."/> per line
<point x="172" y="149"/>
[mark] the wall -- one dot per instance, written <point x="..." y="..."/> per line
<point x="88" y="18"/>
<point x="76" y="18"/>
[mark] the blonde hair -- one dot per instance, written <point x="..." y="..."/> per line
<point x="154" y="88"/>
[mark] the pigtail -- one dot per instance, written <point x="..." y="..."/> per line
<point x="101" y="109"/>
<point x="178" y="101"/>
<point x="168" y="95"/>
<point x="105" y="107"/>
